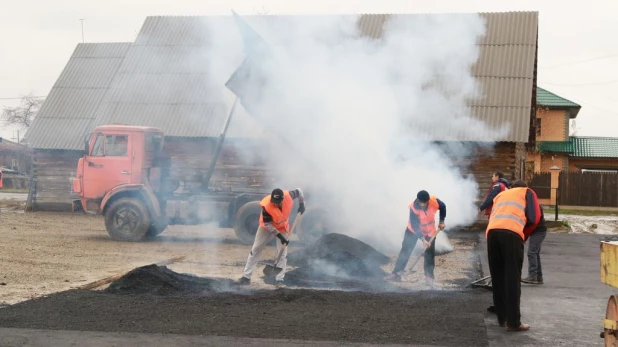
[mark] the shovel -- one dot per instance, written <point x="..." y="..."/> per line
<point x="423" y="252"/>
<point x="272" y="271"/>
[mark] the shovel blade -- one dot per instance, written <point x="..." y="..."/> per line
<point x="271" y="271"/>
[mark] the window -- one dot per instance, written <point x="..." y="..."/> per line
<point x="538" y="127"/>
<point x="110" y="145"/>
<point x="116" y="145"/>
<point x="98" y="150"/>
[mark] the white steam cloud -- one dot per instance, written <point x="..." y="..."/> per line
<point x="352" y="119"/>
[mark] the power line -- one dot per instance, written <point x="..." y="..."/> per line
<point x="579" y="61"/>
<point x="598" y="108"/>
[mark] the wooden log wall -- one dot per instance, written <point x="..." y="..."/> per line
<point x="241" y="164"/>
<point x="53" y="173"/>
<point x="481" y="160"/>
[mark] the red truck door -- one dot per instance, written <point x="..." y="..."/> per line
<point x="108" y="165"/>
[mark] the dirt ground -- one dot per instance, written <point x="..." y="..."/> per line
<point x="43" y="253"/>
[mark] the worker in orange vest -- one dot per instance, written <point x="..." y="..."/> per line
<point x="515" y="215"/>
<point x="499" y="184"/>
<point x="421" y="225"/>
<point x="274" y="222"/>
<point x="0" y="178"/>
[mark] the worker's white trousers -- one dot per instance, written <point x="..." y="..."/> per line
<point x="262" y="238"/>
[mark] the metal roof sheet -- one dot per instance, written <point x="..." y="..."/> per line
<point x="546" y="98"/>
<point x="70" y="106"/>
<point x="162" y="79"/>
<point x="183" y="120"/>
<point x="594" y="147"/>
<point x="504" y="70"/>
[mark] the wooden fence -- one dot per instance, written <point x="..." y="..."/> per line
<point x="541" y="184"/>
<point x="588" y="189"/>
<point x="579" y="188"/>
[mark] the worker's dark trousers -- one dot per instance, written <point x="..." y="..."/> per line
<point x="534" y="253"/>
<point x="407" y="246"/>
<point x="505" y="250"/>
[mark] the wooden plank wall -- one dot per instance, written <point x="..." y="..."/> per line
<point x="598" y="189"/>
<point x="240" y="166"/>
<point x="481" y="160"/>
<point x="53" y="173"/>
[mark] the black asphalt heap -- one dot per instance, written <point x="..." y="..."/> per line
<point x="427" y="318"/>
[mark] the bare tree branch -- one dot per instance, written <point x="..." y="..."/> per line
<point x="23" y="114"/>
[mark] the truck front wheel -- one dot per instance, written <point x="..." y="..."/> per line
<point x="247" y="221"/>
<point x="127" y="219"/>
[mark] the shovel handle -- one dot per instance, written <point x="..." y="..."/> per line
<point x="298" y="215"/>
<point x="423" y="252"/>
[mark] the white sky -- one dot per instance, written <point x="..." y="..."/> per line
<point x="578" y="50"/>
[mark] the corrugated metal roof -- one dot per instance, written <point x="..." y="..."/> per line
<point x="556" y="146"/>
<point x="163" y="70"/>
<point x="583" y="147"/>
<point x="594" y="147"/>
<point x="505" y="68"/>
<point x="180" y="119"/>
<point x="546" y="98"/>
<point x="71" y="105"/>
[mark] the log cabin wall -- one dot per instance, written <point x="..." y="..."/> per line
<point x="53" y="171"/>
<point x="241" y="164"/>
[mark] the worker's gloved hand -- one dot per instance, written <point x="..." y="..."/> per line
<point x="283" y="240"/>
<point x="301" y="208"/>
<point x="441" y="226"/>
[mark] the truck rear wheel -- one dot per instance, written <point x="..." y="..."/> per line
<point x="247" y="221"/>
<point x="127" y="219"/>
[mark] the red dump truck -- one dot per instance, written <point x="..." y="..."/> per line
<point x="124" y="175"/>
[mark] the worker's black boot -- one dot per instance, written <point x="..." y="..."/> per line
<point x="531" y="280"/>
<point x="243" y="281"/>
<point x="539" y="279"/>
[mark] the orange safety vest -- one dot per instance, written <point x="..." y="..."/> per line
<point x="426" y="218"/>
<point x="509" y="212"/>
<point x="0" y="178"/>
<point x="281" y="216"/>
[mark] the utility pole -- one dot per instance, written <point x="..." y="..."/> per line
<point x="82" y="20"/>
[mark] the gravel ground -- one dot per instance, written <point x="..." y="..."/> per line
<point x="44" y="253"/>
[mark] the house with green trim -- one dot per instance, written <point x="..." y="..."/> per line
<point x="554" y="146"/>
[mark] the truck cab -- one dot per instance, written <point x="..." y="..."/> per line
<point x="122" y="173"/>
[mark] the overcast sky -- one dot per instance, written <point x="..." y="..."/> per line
<point x="578" y="50"/>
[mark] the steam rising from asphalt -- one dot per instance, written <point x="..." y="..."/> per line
<point x="351" y="119"/>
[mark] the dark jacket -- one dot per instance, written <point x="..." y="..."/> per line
<point x="495" y="190"/>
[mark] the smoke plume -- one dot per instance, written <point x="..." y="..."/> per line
<point x="353" y="119"/>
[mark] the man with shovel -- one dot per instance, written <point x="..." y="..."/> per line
<point x="274" y="222"/>
<point x="421" y="225"/>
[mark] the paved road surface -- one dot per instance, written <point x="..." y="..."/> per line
<point x="567" y="310"/>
